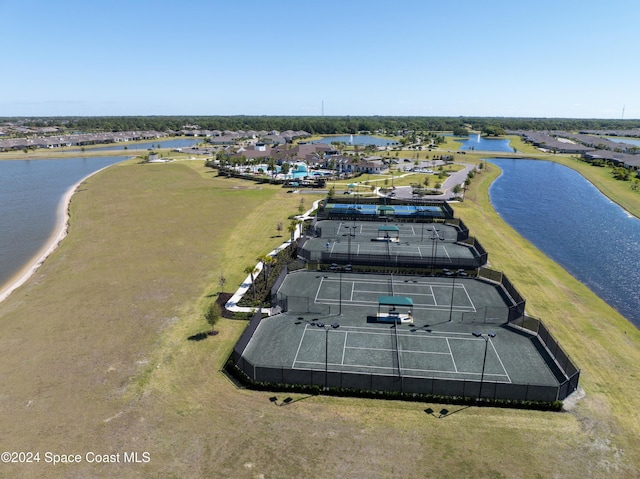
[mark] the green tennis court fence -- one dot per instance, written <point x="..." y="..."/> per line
<point x="569" y="370"/>
<point x="246" y="335"/>
<point x="512" y="295"/>
<point x="407" y="384"/>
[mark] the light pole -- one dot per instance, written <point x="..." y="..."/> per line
<point x="486" y="338"/>
<point x="350" y="235"/>
<point x="453" y="274"/>
<point x="326" y="328"/>
<point x="434" y="248"/>
<point x="340" y="269"/>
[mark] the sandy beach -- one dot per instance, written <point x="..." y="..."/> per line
<point x="58" y="234"/>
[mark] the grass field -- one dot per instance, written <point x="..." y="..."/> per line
<point x="96" y="356"/>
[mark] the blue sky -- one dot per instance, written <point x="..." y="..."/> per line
<point x="560" y="58"/>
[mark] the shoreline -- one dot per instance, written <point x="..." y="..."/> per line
<point x="59" y="233"/>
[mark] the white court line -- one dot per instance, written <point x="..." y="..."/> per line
<point x="453" y="360"/>
<point x="392" y="350"/>
<point x="397" y="292"/>
<point x="357" y="329"/>
<point x="344" y="346"/>
<point x="295" y="358"/>
<point x="353" y="287"/>
<point x="315" y="300"/>
<point x="435" y="302"/>
<point x="469" y="298"/>
<point x="500" y="359"/>
<point x="358" y="366"/>
<point x="385" y="333"/>
<point x="446" y="252"/>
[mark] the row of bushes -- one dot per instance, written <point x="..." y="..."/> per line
<point x="314" y="390"/>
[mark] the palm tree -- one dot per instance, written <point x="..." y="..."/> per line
<point x="292" y="229"/>
<point x="267" y="262"/>
<point x="272" y="167"/>
<point x="251" y="270"/>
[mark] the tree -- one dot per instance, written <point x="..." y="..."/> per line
<point x="251" y="270"/>
<point x="268" y="262"/>
<point x="456" y="189"/>
<point x="212" y="315"/>
<point x="222" y="279"/>
<point x="272" y="166"/>
<point x="460" y="131"/>
<point x="292" y="229"/>
<point x="492" y="130"/>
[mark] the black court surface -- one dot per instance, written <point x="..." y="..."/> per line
<point x="331" y="326"/>
<point x="410" y="352"/>
<point x="420" y="242"/>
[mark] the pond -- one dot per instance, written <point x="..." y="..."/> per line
<point x="30" y="194"/>
<point x="360" y="140"/>
<point x="569" y="220"/>
<point x="480" y="143"/>
<point x="176" y="143"/>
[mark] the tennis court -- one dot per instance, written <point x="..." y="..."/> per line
<point x="363" y="291"/>
<point x="399" y="351"/>
<point x="351" y="209"/>
<point x="365" y="231"/>
<point x="401" y="244"/>
<point x="330" y="332"/>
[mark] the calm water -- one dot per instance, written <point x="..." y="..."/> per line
<point x="630" y="141"/>
<point x="30" y="193"/>
<point x="180" y="143"/>
<point x="567" y="218"/>
<point x="476" y="142"/>
<point x="362" y="140"/>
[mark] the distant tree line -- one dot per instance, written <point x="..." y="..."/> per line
<point x="324" y="124"/>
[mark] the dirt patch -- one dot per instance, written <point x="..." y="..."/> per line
<point x="570" y="402"/>
<point x="221" y="301"/>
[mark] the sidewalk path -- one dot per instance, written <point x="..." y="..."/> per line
<point x="232" y="304"/>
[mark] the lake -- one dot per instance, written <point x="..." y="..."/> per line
<point x="178" y="143"/>
<point x="477" y="142"/>
<point x="568" y="219"/>
<point x="629" y="141"/>
<point x="361" y="140"/>
<point x="30" y="193"/>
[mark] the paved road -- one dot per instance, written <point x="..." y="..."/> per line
<point x="456" y="178"/>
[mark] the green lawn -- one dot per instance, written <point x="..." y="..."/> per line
<point x="96" y="356"/>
